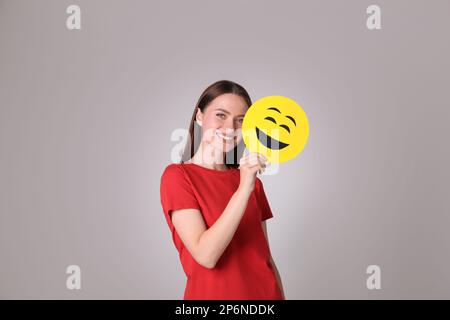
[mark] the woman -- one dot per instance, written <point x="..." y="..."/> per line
<point x="216" y="208"/>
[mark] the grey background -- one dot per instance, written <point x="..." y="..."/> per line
<point x="86" y="118"/>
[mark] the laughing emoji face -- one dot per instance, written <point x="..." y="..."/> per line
<point x="276" y="127"/>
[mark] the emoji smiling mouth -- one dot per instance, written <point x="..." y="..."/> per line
<point x="268" y="141"/>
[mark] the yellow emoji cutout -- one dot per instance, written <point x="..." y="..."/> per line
<point x="276" y="127"/>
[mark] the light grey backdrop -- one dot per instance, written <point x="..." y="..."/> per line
<point x="86" y="118"/>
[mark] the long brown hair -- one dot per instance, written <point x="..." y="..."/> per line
<point x="209" y="94"/>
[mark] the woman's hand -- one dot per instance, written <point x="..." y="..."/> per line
<point x="249" y="165"/>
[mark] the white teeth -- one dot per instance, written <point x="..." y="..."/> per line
<point x="224" y="137"/>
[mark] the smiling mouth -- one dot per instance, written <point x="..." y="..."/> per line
<point x="226" y="138"/>
<point x="268" y="141"/>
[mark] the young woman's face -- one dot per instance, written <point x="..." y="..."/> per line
<point x="221" y="121"/>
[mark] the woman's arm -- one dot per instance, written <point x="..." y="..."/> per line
<point x="277" y="274"/>
<point x="207" y="245"/>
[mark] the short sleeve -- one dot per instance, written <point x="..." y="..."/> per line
<point x="176" y="190"/>
<point x="266" y="212"/>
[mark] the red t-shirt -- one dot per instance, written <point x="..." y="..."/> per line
<point x="243" y="272"/>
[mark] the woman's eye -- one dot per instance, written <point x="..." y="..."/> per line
<point x="221" y="115"/>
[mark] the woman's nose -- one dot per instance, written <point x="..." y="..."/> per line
<point x="230" y="128"/>
<point x="230" y="125"/>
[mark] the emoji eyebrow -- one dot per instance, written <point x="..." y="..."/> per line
<point x="273" y="108"/>
<point x="292" y="119"/>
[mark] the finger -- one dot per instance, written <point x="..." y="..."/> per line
<point x="257" y="161"/>
<point x="261" y="171"/>
<point x="256" y="167"/>
<point x="244" y="160"/>
<point x="262" y="158"/>
<point x="254" y="159"/>
<point x="259" y="157"/>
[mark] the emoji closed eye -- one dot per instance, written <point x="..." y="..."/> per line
<point x="285" y="127"/>
<point x="270" y="119"/>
